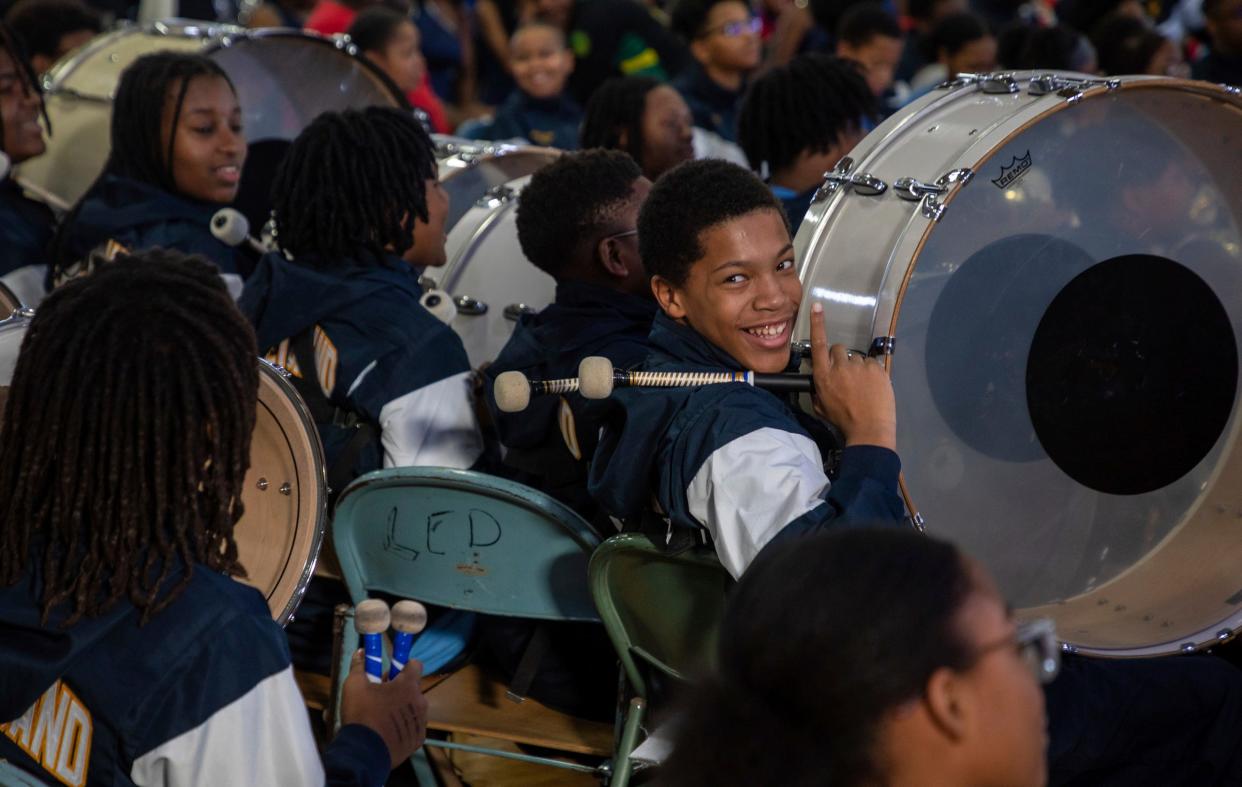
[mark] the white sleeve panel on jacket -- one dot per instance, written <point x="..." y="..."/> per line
<point x="434" y="426"/>
<point x="263" y="737"/>
<point x="751" y="487"/>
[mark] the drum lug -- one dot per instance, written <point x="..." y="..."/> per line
<point x="496" y="196"/>
<point x="467" y="305"/>
<point x="916" y="522"/>
<point x="1224" y="635"/>
<point x="514" y="311"/>
<point x="1188" y="647"/>
<point x="1069" y="89"/>
<point x="931" y="194"/>
<point x="992" y="84"/>
<point x="840" y="178"/>
<point x="1232" y="90"/>
<point x="801" y="348"/>
<point x="1068" y="648"/>
<point x="882" y="345"/>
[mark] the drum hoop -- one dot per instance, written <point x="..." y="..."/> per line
<point x="498" y="150"/>
<point x="216" y="36"/>
<point x="453" y="270"/>
<point x="318" y="470"/>
<point x="1128" y="83"/>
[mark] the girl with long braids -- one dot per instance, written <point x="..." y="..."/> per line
<point x="359" y="212"/>
<point x="26" y="226"/>
<point x="177" y="153"/>
<point x="127" y="654"/>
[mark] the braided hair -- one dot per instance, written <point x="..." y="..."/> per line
<point x="11" y="44"/>
<point x="804" y="105"/>
<point x="615" y="110"/>
<point x="138" y="151"/>
<point x="353" y="180"/>
<point x="125" y="446"/>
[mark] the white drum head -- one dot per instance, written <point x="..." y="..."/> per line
<point x="1066" y="365"/>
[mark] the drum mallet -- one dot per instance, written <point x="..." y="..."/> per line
<point x="513" y="390"/>
<point x="371" y="619"/>
<point x="232" y="228"/>
<point x="408" y="619"/>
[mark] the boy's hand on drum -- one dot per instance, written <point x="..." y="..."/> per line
<point x="395" y="709"/>
<point x="852" y="391"/>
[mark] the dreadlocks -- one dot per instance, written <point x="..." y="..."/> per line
<point x="125" y="445"/>
<point x="804" y="105"/>
<point x="615" y="111"/>
<point x="353" y="180"/>
<point x="11" y="45"/>
<point x="138" y="150"/>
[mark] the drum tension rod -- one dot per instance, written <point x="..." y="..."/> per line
<point x="880" y="345"/>
<point x="1000" y="83"/>
<point x="930" y="194"/>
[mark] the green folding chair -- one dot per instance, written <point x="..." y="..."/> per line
<point x="471" y="541"/>
<point x="12" y="776"/>
<point x="663" y="615"/>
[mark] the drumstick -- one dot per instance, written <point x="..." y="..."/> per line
<point x="371" y="619"/>
<point x="596" y="379"/>
<point x="408" y="619"/>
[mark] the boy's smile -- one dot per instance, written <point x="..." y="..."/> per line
<point x="742" y="295"/>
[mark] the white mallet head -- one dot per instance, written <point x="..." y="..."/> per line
<point x="512" y="391"/>
<point x="372" y="617"/>
<point x="230" y="227"/>
<point x="595" y="377"/>
<point x="440" y="304"/>
<point x="409" y="617"/>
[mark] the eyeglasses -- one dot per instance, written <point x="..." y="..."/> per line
<point x="734" y="29"/>
<point x="625" y="234"/>
<point x="1037" y="643"/>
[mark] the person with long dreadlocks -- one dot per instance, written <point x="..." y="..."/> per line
<point x="177" y="153"/>
<point x="26" y="226"/>
<point x="643" y="117"/>
<point x="823" y="104"/>
<point x="359" y="211"/>
<point x="128" y="656"/>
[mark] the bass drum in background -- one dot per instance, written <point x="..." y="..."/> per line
<point x="1059" y="262"/>
<point x="284" y="79"/>
<point x="491" y="281"/>
<point x="285" y="492"/>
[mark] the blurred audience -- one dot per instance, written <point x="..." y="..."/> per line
<point x="391" y="41"/>
<point x="643" y="117"/>
<point x="1125" y="45"/>
<point x="958" y="44"/>
<point x="724" y="41"/>
<point x="50" y="29"/>
<point x="1224" y="26"/>
<point x="870" y="36"/>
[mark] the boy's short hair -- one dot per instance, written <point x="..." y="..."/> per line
<point x="689" y="199"/>
<point x="954" y="32"/>
<point x="806" y="104"/>
<point x="40" y="24"/>
<point x="687" y="18"/>
<point x="570" y="201"/>
<point x="374" y="27"/>
<point x="539" y="24"/>
<point x="866" y="21"/>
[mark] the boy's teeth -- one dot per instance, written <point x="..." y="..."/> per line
<point x="768" y="330"/>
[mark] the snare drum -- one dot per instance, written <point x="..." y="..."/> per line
<point x="491" y="281"/>
<point x="1056" y="261"/>
<point x="284" y="79"/>
<point x="285" y="492"/>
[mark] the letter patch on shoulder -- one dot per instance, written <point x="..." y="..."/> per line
<point x="326" y="360"/>
<point x="56" y="732"/>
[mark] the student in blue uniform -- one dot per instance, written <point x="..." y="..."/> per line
<point x="539" y="109"/>
<point x="576" y="222"/>
<point x="26" y="226"/>
<point x="177" y="154"/>
<point x="738" y="464"/>
<point x="733" y="462"/>
<point x="359" y="212"/>
<point x="723" y="37"/>
<point x="128" y="654"/>
<point x="643" y="117"/>
<point x="824" y="104"/>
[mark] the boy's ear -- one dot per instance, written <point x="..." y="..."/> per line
<point x="669" y="297"/>
<point x="948" y="704"/>
<point x="698" y="48"/>
<point x="569" y="61"/>
<point x="608" y="252"/>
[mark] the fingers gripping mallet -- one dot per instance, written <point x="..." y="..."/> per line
<point x="371" y="619"/>
<point x="408" y="619"/>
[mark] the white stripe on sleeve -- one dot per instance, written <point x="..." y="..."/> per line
<point x="263" y="737"/>
<point x="434" y="426"/>
<point x="751" y="487"/>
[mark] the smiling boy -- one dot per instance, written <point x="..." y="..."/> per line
<point x="539" y="110"/>
<point x="731" y="461"/>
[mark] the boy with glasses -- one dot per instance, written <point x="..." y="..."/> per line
<point x="723" y="38"/>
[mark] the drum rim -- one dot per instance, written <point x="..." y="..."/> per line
<point x="216" y="36"/>
<point x="975" y="156"/>
<point x="318" y="471"/>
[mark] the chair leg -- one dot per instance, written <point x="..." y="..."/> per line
<point x="622" y="766"/>
<point x="343" y="647"/>
<point x="422" y="768"/>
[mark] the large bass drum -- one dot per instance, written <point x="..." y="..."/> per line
<point x="491" y="281"/>
<point x="284" y="80"/>
<point x="285" y="491"/>
<point x="1059" y="264"/>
